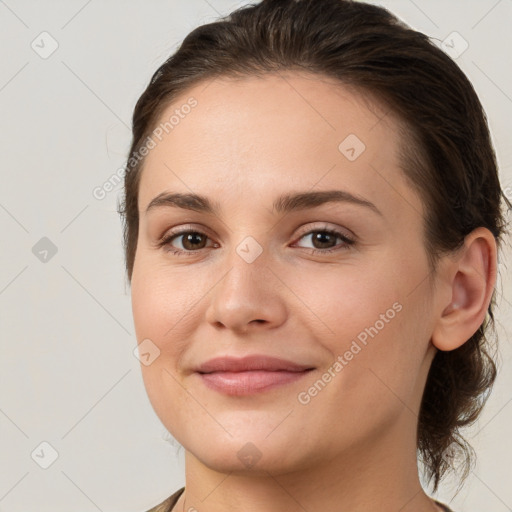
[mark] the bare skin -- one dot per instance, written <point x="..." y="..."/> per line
<point x="351" y="445"/>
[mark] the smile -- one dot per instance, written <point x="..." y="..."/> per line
<point x="249" y="382"/>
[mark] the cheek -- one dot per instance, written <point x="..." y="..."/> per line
<point x="363" y="313"/>
<point x="341" y="302"/>
<point x="370" y="322"/>
<point x="163" y="301"/>
<point x="160" y="309"/>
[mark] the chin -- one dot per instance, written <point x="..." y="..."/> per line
<point x="246" y="460"/>
<point x="252" y="452"/>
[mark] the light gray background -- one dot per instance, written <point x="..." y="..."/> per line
<point x="67" y="370"/>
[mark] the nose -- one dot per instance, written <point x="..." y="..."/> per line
<point x="248" y="297"/>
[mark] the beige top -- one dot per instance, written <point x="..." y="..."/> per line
<point x="166" y="506"/>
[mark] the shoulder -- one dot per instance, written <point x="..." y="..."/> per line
<point x="444" y="507"/>
<point x="168" y="503"/>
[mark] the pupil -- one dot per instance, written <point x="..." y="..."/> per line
<point x="321" y="235"/>
<point x="192" y="238"/>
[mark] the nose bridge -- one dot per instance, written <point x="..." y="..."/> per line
<point x="247" y="269"/>
<point x="246" y="292"/>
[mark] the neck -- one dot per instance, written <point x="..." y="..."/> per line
<point x="381" y="475"/>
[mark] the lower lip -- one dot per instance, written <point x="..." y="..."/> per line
<point x="250" y="382"/>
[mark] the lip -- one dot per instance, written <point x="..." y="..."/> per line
<point x="250" y="382"/>
<point x="251" y="374"/>
<point x="250" y="363"/>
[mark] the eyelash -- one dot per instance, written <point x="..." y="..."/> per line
<point x="167" y="239"/>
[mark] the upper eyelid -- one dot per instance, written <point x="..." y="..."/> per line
<point x="180" y="229"/>
<point x="344" y="231"/>
<point x="303" y="232"/>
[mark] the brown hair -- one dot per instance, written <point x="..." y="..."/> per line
<point x="446" y="154"/>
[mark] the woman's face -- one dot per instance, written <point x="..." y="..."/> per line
<point x="262" y="276"/>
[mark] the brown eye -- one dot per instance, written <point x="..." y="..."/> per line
<point x="191" y="241"/>
<point x="324" y="240"/>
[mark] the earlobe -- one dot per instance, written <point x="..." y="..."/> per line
<point x="472" y="278"/>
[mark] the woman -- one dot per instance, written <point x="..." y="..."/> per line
<point x="312" y="219"/>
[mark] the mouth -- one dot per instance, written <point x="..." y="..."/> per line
<point x="251" y="374"/>
<point x="250" y="382"/>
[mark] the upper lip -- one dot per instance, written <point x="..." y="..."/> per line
<point x="248" y="363"/>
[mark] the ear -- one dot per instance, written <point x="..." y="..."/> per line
<point x="471" y="276"/>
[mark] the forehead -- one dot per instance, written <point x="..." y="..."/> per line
<point x="254" y="136"/>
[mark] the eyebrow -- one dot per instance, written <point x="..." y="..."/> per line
<point x="285" y="203"/>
